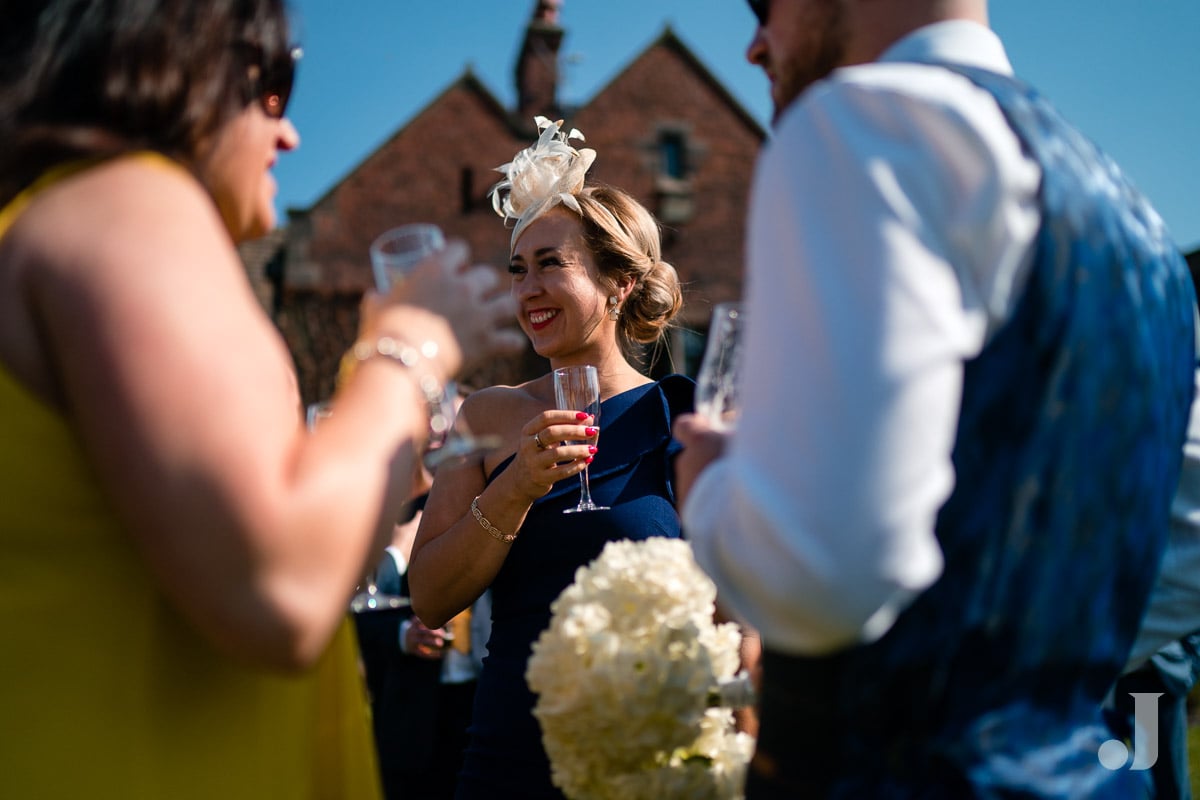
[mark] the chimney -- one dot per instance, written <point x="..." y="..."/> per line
<point x="537" y="65"/>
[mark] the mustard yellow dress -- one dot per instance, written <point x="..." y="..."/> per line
<point x="105" y="690"/>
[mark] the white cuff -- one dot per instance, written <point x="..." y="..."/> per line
<point x="404" y="626"/>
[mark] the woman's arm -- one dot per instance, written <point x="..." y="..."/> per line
<point x="455" y="557"/>
<point x="184" y="401"/>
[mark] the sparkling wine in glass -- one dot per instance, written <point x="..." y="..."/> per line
<point x="394" y="254"/>
<point x="718" y="381"/>
<point x="578" y="389"/>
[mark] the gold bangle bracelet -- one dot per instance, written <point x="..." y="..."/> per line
<point x="492" y="530"/>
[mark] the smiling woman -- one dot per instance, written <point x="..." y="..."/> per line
<point x="590" y="282"/>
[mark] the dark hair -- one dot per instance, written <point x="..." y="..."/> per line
<point x="95" y="78"/>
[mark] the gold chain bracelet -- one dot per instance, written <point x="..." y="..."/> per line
<point x="484" y="523"/>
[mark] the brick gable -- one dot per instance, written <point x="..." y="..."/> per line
<point x="664" y="130"/>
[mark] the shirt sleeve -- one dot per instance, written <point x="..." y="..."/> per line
<point x="880" y="255"/>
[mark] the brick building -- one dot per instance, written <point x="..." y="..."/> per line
<point x="664" y="129"/>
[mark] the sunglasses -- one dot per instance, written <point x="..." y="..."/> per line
<point x="272" y="83"/>
<point x="760" y="9"/>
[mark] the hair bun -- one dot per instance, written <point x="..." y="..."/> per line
<point x="653" y="304"/>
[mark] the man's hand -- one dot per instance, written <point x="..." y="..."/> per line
<point x="702" y="444"/>
<point x="423" y="642"/>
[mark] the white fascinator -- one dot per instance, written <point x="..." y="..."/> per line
<point x="541" y="176"/>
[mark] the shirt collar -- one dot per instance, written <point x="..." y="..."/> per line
<point x="955" y="42"/>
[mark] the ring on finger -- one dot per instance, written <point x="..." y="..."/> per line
<point x="537" y="439"/>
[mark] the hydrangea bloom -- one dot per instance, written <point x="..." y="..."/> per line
<point x="627" y="676"/>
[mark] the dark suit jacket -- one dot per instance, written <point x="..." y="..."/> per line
<point x="403" y="688"/>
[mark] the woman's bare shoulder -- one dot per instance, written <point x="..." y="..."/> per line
<point x="497" y="400"/>
<point x="125" y="212"/>
<point x="504" y="410"/>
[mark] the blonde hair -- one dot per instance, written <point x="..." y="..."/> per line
<point x="626" y="241"/>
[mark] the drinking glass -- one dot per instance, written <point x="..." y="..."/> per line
<point x="397" y="251"/>
<point x="578" y="389"/>
<point x="394" y="255"/>
<point x="457" y="441"/>
<point x="368" y="597"/>
<point x="718" y="383"/>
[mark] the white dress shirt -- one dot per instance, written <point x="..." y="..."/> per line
<point x="891" y="222"/>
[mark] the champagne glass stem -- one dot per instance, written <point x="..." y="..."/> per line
<point x="585" y="489"/>
<point x="369" y="598"/>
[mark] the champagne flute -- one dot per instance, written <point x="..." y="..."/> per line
<point x="458" y="441"/>
<point x="578" y="389"/>
<point x="718" y="381"/>
<point x="393" y="256"/>
<point x="368" y="597"/>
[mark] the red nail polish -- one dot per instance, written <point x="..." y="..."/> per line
<point x="592" y="449"/>
<point x="579" y="415"/>
<point x="589" y="459"/>
<point x="591" y="431"/>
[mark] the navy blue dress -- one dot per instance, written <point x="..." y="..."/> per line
<point x="632" y="474"/>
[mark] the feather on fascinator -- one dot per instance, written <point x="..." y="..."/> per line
<point x="541" y="176"/>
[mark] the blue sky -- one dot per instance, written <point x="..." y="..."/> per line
<point x="1126" y="72"/>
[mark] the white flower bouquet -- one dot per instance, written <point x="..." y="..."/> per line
<point x="629" y="678"/>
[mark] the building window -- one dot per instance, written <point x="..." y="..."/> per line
<point x="466" y="189"/>
<point x="674" y="182"/>
<point x="672" y="148"/>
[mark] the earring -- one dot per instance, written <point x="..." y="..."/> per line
<point x="614" y="310"/>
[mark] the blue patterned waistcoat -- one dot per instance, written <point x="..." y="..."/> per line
<point x="1067" y="455"/>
